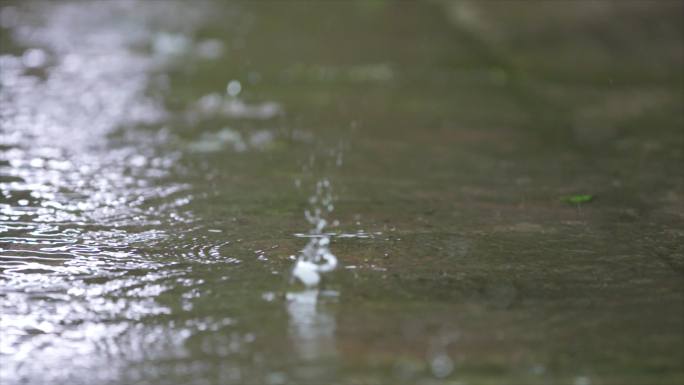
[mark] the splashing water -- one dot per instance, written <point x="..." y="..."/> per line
<point x="316" y="257"/>
<point x="312" y="326"/>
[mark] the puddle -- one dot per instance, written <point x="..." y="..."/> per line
<point x="156" y="159"/>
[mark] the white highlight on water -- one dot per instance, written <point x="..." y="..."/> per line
<point x="312" y="325"/>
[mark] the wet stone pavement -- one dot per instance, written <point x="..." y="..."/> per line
<point x="362" y="192"/>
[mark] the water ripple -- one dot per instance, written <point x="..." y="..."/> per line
<point x="87" y="176"/>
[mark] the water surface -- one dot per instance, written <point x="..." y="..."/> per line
<point x="157" y="160"/>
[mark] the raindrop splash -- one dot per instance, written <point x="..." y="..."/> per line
<point x="316" y="257"/>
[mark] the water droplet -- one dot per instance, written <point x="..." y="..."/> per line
<point x="210" y="49"/>
<point x="34" y="58"/>
<point x="268" y="296"/>
<point x="234" y="87"/>
<point x="441" y="365"/>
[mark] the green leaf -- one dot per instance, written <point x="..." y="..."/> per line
<point x="577" y="199"/>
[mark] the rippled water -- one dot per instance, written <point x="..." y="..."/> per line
<point x="347" y="192"/>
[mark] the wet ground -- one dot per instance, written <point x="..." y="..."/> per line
<point x="157" y="160"/>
